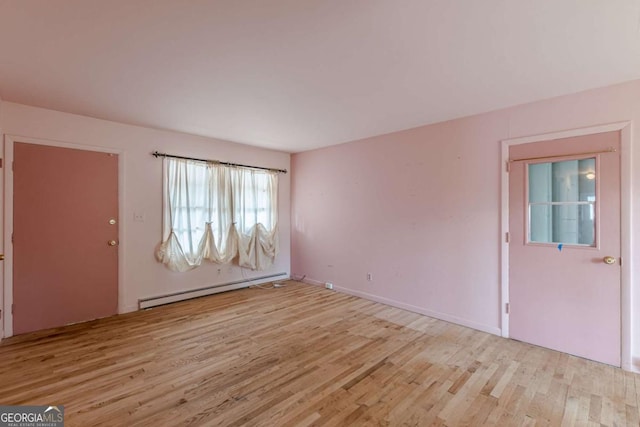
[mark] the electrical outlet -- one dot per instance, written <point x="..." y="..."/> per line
<point x="369" y="277"/>
<point x="328" y="285"/>
<point x="138" y="216"/>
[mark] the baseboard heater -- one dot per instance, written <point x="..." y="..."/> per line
<point x="208" y="290"/>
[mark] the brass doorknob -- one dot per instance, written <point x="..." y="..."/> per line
<point x="111" y="243"/>
<point x="1" y="257"/>
<point x="609" y="260"/>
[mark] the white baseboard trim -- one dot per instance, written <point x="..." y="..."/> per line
<point x="155" y="301"/>
<point x="435" y="314"/>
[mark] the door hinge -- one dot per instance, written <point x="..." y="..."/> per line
<point x="507" y="237"/>
<point x="620" y="261"/>
<point x="508" y="166"/>
<point x="1" y="161"/>
<point x="506" y="308"/>
<point x="11" y="237"/>
<point x="13" y="308"/>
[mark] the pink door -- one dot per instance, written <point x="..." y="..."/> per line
<point x="564" y="224"/>
<point x="65" y="254"/>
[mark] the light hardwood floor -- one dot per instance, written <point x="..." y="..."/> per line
<point x="303" y="355"/>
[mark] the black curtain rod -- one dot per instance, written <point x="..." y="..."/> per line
<point x="217" y="162"/>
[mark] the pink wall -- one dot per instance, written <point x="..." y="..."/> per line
<point x="420" y="209"/>
<point x="142" y="275"/>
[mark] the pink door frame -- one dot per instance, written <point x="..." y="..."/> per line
<point x="625" y="165"/>
<point x="8" y="217"/>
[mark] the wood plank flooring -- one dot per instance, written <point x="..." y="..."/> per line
<point x="303" y="355"/>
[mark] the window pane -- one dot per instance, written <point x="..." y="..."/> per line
<point x="562" y="198"/>
<point x="568" y="181"/>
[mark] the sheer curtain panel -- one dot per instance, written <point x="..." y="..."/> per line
<point x="218" y="213"/>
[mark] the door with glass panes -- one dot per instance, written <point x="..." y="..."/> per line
<point x="564" y="250"/>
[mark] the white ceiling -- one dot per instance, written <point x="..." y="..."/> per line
<point x="294" y="75"/>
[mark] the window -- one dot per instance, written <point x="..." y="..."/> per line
<point x="562" y="202"/>
<point x="218" y="213"/>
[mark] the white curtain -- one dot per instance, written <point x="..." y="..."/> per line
<point x="217" y="213"/>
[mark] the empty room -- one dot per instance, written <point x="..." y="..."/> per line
<point x="306" y="212"/>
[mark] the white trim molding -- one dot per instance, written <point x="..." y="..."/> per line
<point x="626" y="280"/>
<point x="169" y="298"/>
<point x="402" y="305"/>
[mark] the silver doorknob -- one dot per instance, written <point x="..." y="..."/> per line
<point x="111" y="243"/>
<point x="609" y="260"/>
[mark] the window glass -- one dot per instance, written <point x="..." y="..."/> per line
<point x="561" y="205"/>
